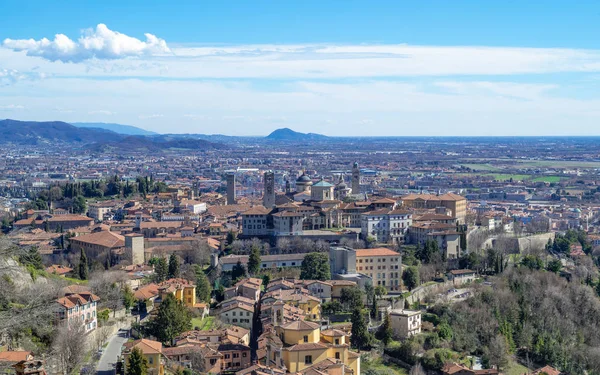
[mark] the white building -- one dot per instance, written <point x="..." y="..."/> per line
<point x="405" y="323"/>
<point x="386" y="226"/>
<point x="254" y="221"/>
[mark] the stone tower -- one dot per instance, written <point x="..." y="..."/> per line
<point x="231" y="188"/>
<point x="269" y="193"/>
<point x="355" y="179"/>
<point x="134" y="248"/>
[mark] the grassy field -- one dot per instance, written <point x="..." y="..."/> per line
<point x="383" y="367"/>
<point x="548" y="179"/>
<point x="203" y="324"/>
<point x="481" y="167"/>
<point x="515" y="368"/>
<point x="506" y="177"/>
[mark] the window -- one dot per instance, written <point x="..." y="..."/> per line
<point x="244" y="355"/>
<point x="213" y="361"/>
<point x="236" y="355"/>
<point x="227" y="356"/>
<point x="337" y="341"/>
<point x="308" y="359"/>
<point x="150" y="360"/>
<point x="337" y="355"/>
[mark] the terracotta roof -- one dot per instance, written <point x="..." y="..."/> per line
<point x="256" y="210"/>
<point x="333" y="332"/>
<point x="301" y="325"/>
<point x="307" y="346"/>
<point x="377" y="252"/>
<point x="58" y="269"/>
<point x="15" y="356"/>
<point x="549" y="370"/>
<point x="105" y="239"/>
<point x="145" y="345"/>
<point x="146" y="292"/>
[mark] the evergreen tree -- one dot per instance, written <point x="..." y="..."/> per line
<point x="173" y="267"/>
<point x="83" y="266"/>
<point x="254" y="260"/>
<point x="266" y="279"/>
<point x="137" y="364"/>
<point x="374" y="308"/>
<point x="361" y="338"/>
<point x="385" y="333"/>
<point x="238" y="271"/>
<point x="161" y="270"/>
<point x="410" y="277"/>
<point x="172" y="319"/>
<point x="315" y="266"/>
<point x="203" y="287"/>
<point x="128" y="297"/>
<point x="32" y="258"/>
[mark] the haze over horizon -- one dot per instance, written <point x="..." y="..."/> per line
<point x="340" y="68"/>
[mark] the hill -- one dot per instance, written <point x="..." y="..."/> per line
<point x="286" y="134"/>
<point x="33" y="133"/>
<point x="117" y="128"/>
<point x="155" y="144"/>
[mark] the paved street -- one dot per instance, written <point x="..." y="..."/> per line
<point x="111" y="353"/>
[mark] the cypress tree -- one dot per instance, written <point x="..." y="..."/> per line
<point x="83" y="266"/>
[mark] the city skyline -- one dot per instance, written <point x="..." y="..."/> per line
<point x="338" y="69"/>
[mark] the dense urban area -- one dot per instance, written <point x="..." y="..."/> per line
<point x="297" y="253"/>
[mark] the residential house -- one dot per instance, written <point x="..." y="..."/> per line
<point x="79" y="308"/>
<point x="152" y="351"/>
<point x="405" y="323"/>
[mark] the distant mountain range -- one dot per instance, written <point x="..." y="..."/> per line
<point x="287" y="134"/>
<point x="117" y="128"/>
<point x="93" y="138"/>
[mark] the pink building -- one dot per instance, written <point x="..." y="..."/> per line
<point x="79" y="307"/>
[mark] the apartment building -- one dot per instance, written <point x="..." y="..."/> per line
<point x="455" y="203"/>
<point x="405" y="323"/>
<point x="385" y="225"/>
<point x="79" y="307"/>
<point x="383" y="266"/>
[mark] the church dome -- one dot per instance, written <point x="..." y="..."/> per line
<point x="304" y="179"/>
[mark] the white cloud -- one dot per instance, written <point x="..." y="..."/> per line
<point x="101" y="43"/>
<point x="101" y="112"/>
<point x="12" y="76"/>
<point x="63" y="110"/>
<point x="11" y="107"/>
<point x="146" y="117"/>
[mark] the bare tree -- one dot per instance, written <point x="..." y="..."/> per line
<point x="417" y="369"/>
<point x="69" y="346"/>
<point x="197" y="360"/>
<point x="108" y="285"/>
<point x="198" y="252"/>
<point x="102" y="334"/>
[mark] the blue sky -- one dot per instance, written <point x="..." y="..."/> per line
<point x="334" y="67"/>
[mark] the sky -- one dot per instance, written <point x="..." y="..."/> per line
<point x="345" y="68"/>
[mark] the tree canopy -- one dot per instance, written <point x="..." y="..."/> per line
<point x="315" y="266"/>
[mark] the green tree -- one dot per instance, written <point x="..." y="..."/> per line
<point x="410" y="277"/>
<point x="83" y="266"/>
<point x="32" y="258"/>
<point x="352" y="297"/>
<point x="231" y="236"/>
<point x="315" y="266"/>
<point x="554" y="265"/>
<point x="385" y="332"/>
<point x="238" y="271"/>
<point x="380" y="291"/>
<point x="532" y="262"/>
<point x="172" y="319"/>
<point x="79" y="205"/>
<point x="266" y="279"/>
<point x="173" y="271"/>
<point x="254" y="260"/>
<point x="361" y="338"/>
<point x="445" y="331"/>
<point x="203" y="287"/>
<point x="161" y="270"/>
<point x="137" y="364"/>
<point x="128" y="297"/>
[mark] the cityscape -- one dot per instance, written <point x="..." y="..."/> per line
<point x="272" y="199"/>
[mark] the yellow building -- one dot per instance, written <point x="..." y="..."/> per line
<point x="455" y="203"/>
<point x="181" y="289"/>
<point x="152" y="350"/>
<point x="300" y="298"/>
<point x="383" y="266"/>
<point x="304" y="346"/>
